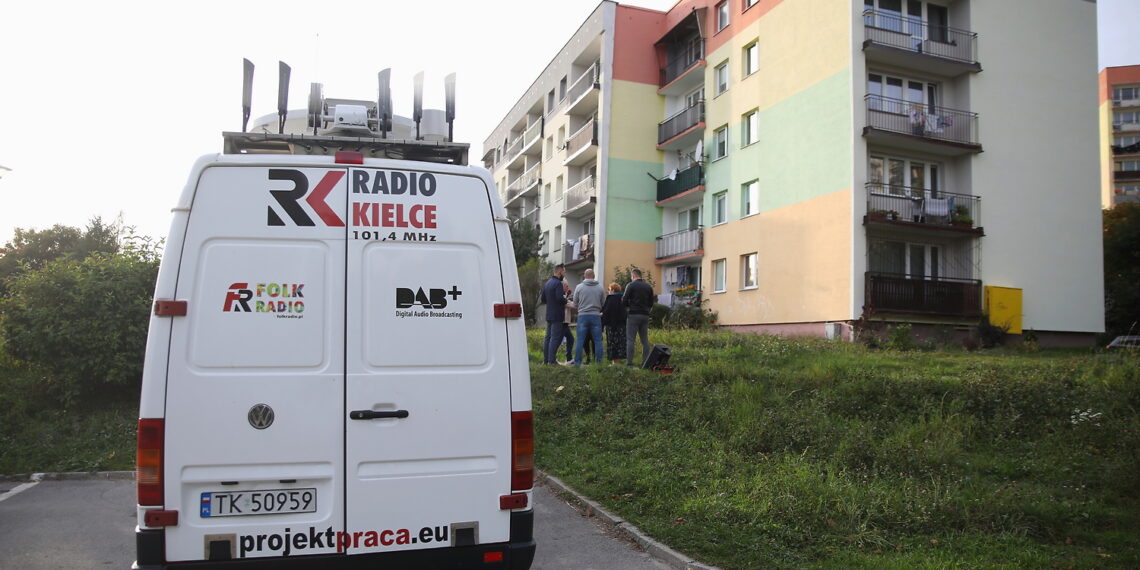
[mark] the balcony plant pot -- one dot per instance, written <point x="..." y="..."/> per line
<point x="876" y="215"/>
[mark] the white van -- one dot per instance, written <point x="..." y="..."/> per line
<point x="336" y="371"/>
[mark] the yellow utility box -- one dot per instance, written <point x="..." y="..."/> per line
<point x="1003" y="306"/>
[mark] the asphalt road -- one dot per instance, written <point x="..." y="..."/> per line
<point x="89" y="523"/>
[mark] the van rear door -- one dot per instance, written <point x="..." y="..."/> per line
<point x="427" y="405"/>
<point x="255" y="386"/>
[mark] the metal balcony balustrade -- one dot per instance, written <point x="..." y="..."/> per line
<point x="583" y="137"/>
<point x="677" y="67"/>
<point x="684" y="242"/>
<point x="911" y="33"/>
<point x="684" y="181"/>
<point x="893" y="203"/>
<point x="580" y="193"/>
<point x="585" y="82"/>
<point x="681" y="122"/>
<point x="917" y="119"/>
<point x="893" y="293"/>
<point x="520" y="184"/>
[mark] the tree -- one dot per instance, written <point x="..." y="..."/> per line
<point x="527" y="239"/>
<point x="33" y="249"/>
<point x="83" y="322"/>
<point x="622" y="275"/>
<point x="1122" y="269"/>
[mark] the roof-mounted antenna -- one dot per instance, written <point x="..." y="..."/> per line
<point x="384" y="103"/>
<point x="449" y="94"/>
<point x="316" y="102"/>
<point x="418" y="102"/>
<point x="246" y="92"/>
<point x="282" y="95"/>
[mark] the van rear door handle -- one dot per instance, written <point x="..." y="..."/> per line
<point x="374" y="415"/>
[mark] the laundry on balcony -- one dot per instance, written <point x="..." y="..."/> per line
<point x="937" y="206"/>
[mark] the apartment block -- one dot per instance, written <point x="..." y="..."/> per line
<point x="1120" y="134"/>
<point x="805" y="163"/>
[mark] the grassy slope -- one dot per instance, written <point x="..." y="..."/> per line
<point x="763" y="452"/>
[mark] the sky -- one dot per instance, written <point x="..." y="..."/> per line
<point x="106" y="105"/>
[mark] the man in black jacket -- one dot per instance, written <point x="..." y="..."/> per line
<point x="639" y="299"/>
<point x="555" y="299"/>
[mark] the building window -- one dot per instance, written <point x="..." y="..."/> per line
<point x="689" y="219"/>
<point x="561" y="137"/>
<point x="750" y="128"/>
<point x="905" y="259"/>
<point x="751" y="56"/>
<point x="1125" y="140"/>
<point x="901" y="176"/>
<point x="545" y="243"/>
<point x="562" y="89"/>
<point x="550" y="102"/>
<point x="748" y="271"/>
<point x="720" y="208"/>
<point x="695" y="97"/>
<point x="720" y="143"/>
<point x="1120" y="118"/>
<point x="718" y="276"/>
<point x="1128" y="189"/>
<point x="899" y="94"/>
<point x="1128" y="165"/>
<point x="1120" y="94"/>
<point x="749" y="3"/>
<point x="549" y="147"/>
<point x="546" y="196"/>
<point x="557" y="238"/>
<point x="721" y="76"/>
<point x="750" y="198"/>
<point x="722" y="15"/>
<point x="558" y="188"/>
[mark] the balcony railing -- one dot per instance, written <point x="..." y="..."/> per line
<point x="677" y="67"/>
<point x="892" y="293"/>
<point x="681" y="122"/>
<point x="684" y="181"/>
<point x="581" y="249"/>
<point x="522" y="183"/>
<point x="929" y="208"/>
<point x="580" y="193"/>
<point x="926" y="121"/>
<point x="684" y="242"/>
<point x="584" y="83"/>
<point x="513" y="149"/>
<point x="583" y="137"/>
<point x="912" y="34"/>
<point x="531" y="216"/>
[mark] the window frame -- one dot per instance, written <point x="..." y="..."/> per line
<point x="750" y="128"/>
<point x="750" y="198"/>
<point x="720" y="208"/>
<point x="719" y="273"/>
<point x="749" y="271"/>
<point x="750" y="58"/>
<point x="723" y="17"/>
<point x="718" y="71"/>
<point x="720" y="143"/>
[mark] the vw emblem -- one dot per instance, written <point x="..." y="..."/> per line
<point x="260" y="416"/>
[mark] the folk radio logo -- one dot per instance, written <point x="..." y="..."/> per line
<point x="285" y="300"/>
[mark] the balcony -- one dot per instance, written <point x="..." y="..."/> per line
<point x="584" y="93"/>
<point x="1133" y="148"/>
<point x="580" y="199"/>
<point x="907" y="41"/>
<point x="915" y="208"/>
<point x="682" y="245"/>
<point x="948" y="297"/>
<point x="524" y="185"/>
<point x="578" y="251"/>
<point x="918" y="127"/>
<point x="1126" y="102"/>
<point x="682" y="129"/>
<point x="682" y="188"/>
<point x="683" y="74"/>
<point x="531" y="216"/>
<point x="579" y="145"/>
<point x="1125" y="127"/>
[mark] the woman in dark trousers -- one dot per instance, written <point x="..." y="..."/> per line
<point x="613" y="321"/>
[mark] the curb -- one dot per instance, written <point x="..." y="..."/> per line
<point x="623" y="527"/>
<point x="75" y="476"/>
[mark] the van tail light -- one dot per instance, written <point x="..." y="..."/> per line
<point x="522" y="444"/>
<point x="148" y="462"/>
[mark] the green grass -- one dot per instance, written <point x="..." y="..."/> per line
<point x="764" y="452"/>
<point x="37" y="434"/>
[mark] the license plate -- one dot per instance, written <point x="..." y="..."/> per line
<point x="261" y="502"/>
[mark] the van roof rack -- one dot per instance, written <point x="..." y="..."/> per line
<point x="305" y="144"/>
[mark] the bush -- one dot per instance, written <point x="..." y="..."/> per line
<point x="83" y="323"/>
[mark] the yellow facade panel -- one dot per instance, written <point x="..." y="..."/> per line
<point x="1003" y="306"/>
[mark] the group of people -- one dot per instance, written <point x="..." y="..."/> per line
<point x="624" y="315"/>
